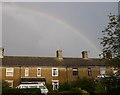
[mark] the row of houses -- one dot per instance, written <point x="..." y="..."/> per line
<point x="50" y="70"/>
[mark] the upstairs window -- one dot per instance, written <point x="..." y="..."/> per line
<point x="89" y="72"/>
<point x="54" y="71"/>
<point x="9" y="71"/>
<point x="75" y="71"/>
<point x="38" y="71"/>
<point x="26" y="72"/>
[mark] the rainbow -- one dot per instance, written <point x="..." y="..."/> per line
<point x="36" y="12"/>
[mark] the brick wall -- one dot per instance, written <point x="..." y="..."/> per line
<point x="65" y="74"/>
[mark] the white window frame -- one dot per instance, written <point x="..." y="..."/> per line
<point x="55" y="72"/>
<point x="9" y="71"/>
<point x="75" y="70"/>
<point x="55" y="84"/>
<point x="89" y="71"/>
<point x="102" y="71"/>
<point x="26" y="72"/>
<point x="10" y="82"/>
<point x="38" y="72"/>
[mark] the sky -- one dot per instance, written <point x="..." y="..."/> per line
<point x="39" y="29"/>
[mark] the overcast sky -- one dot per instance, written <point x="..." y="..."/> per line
<point x="39" y="29"/>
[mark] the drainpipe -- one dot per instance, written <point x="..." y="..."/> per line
<point x="67" y="73"/>
<point x="20" y="75"/>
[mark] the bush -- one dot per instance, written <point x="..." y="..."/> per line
<point x="86" y="84"/>
<point x="80" y="91"/>
<point x="14" y="91"/>
<point x="65" y="87"/>
<point x="108" y="86"/>
<point x="5" y="85"/>
<point x="100" y="88"/>
<point x="73" y="91"/>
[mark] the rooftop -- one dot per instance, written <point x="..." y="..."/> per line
<point x="23" y="61"/>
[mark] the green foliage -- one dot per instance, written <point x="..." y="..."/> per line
<point x="72" y="91"/>
<point x="100" y="88"/>
<point x="84" y="92"/>
<point x="108" y="86"/>
<point x="86" y="84"/>
<point x="111" y="43"/>
<point x="65" y="87"/>
<point x="111" y="36"/>
<point x="115" y="62"/>
<point x="21" y="91"/>
<point x="80" y="91"/>
<point x="5" y="85"/>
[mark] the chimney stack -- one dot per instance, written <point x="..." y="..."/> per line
<point x="107" y="55"/>
<point x="59" y="54"/>
<point x="1" y="52"/>
<point x="84" y="55"/>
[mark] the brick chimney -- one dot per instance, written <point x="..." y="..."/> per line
<point x="107" y="55"/>
<point x="1" y="52"/>
<point x="84" y="55"/>
<point x="59" y="54"/>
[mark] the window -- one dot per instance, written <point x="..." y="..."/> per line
<point x="115" y="71"/>
<point x="89" y="72"/>
<point x="9" y="71"/>
<point x="55" y="84"/>
<point x="54" y="71"/>
<point x="10" y="83"/>
<point x="75" y="71"/>
<point x="26" y="71"/>
<point x="38" y="71"/>
<point x="102" y="71"/>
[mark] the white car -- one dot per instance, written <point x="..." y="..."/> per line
<point x="103" y="76"/>
<point x="41" y="86"/>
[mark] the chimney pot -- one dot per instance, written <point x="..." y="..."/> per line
<point x="1" y="52"/>
<point x="84" y="55"/>
<point x="59" y="54"/>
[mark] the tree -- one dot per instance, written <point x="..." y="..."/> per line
<point x="108" y="86"/>
<point x="111" y="36"/>
<point x="111" y="44"/>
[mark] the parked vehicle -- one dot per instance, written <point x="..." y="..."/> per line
<point x="41" y="86"/>
<point x="103" y="76"/>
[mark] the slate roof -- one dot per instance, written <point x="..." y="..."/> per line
<point x="15" y="61"/>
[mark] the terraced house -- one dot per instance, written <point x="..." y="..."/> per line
<point x="50" y="70"/>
